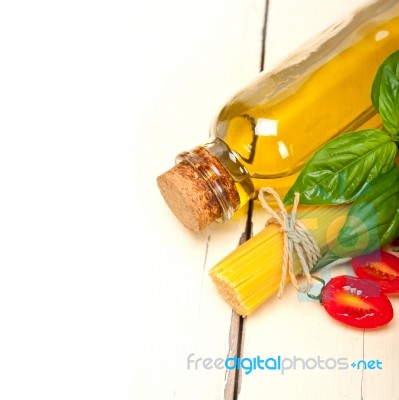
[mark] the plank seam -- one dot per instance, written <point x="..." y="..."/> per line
<point x="236" y="341"/>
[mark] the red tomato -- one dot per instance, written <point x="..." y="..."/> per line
<point x="381" y="267"/>
<point x="356" y="302"/>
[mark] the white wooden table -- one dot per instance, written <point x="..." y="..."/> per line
<point x="103" y="294"/>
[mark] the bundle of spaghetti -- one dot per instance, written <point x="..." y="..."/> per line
<point x="251" y="274"/>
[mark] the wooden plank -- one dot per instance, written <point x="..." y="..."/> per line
<point x="293" y="327"/>
<point x="291" y="23"/>
<point x="382" y="345"/>
<point x="193" y="64"/>
<point x="102" y="293"/>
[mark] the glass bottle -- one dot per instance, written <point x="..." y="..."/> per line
<point x="264" y="135"/>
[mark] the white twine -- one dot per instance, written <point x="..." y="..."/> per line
<point x="296" y="237"/>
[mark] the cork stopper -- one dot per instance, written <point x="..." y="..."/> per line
<point x="189" y="197"/>
<point x="199" y="190"/>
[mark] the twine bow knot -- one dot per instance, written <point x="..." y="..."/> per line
<point x="296" y="237"/>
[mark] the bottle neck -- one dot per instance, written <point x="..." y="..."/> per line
<point x="223" y="174"/>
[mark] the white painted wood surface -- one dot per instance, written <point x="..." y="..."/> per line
<point x="103" y="295"/>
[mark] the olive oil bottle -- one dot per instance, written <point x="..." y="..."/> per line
<point x="264" y="135"/>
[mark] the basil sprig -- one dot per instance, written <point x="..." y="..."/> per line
<point x="385" y="94"/>
<point x="339" y="171"/>
<point x="359" y="168"/>
<point x="373" y="219"/>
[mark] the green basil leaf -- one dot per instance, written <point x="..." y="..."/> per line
<point x="338" y="172"/>
<point x="372" y="221"/>
<point x="389" y="102"/>
<point x="392" y="64"/>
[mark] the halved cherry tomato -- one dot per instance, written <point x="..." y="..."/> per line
<point x="381" y="267"/>
<point x="356" y="302"/>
